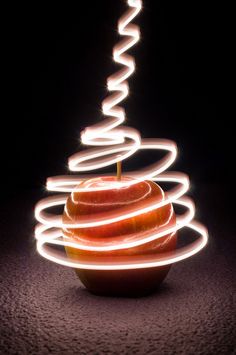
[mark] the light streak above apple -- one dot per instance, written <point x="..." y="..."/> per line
<point x="111" y="143"/>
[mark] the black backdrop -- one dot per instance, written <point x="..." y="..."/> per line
<point x="57" y="59"/>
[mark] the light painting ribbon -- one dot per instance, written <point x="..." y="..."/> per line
<point x="113" y="143"/>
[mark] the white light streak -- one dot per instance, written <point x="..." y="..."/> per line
<point x="116" y="143"/>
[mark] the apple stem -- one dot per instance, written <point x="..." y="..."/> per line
<point x="118" y="170"/>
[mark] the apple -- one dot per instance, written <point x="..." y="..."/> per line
<point x="94" y="204"/>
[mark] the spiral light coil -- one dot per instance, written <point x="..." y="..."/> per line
<point x="115" y="143"/>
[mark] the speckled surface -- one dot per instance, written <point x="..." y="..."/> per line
<point x="45" y="310"/>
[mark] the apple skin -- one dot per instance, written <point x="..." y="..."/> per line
<point x="91" y="204"/>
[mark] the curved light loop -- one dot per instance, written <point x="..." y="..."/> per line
<point x="114" y="143"/>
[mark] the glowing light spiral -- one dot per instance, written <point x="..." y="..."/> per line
<point x="115" y="143"/>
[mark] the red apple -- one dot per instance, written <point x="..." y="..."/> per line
<point x="92" y="204"/>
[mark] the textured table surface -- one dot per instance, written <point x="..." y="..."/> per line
<point x="45" y="310"/>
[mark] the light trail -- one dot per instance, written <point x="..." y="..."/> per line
<point x="113" y="143"/>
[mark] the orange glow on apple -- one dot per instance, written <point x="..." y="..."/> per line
<point x="92" y="205"/>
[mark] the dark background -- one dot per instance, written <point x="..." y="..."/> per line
<point x="56" y="59"/>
